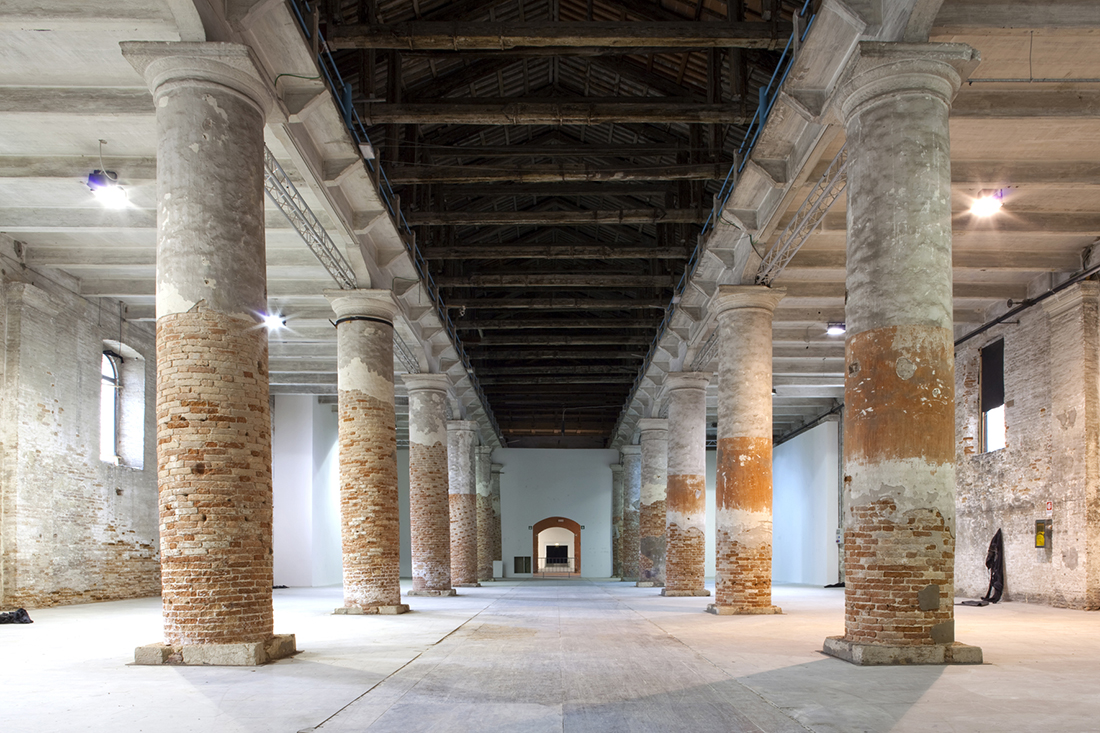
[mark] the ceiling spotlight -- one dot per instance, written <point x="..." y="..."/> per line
<point x="835" y="329"/>
<point x="988" y="203"/>
<point x="274" y="322"/>
<point x="105" y="188"/>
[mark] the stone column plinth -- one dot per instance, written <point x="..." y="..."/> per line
<point x="632" y="503"/>
<point x="483" y="461"/>
<point x="617" y="520"/>
<point x="213" y="418"/>
<point x="494" y="491"/>
<point x="461" y="441"/>
<point x="686" y="508"/>
<point x="369" y="525"/>
<point x="651" y="518"/>
<point x="899" y="450"/>
<point x="429" y="504"/>
<point x="743" y="525"/>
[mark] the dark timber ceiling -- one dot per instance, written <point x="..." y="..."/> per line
<point x="556" y="189"/>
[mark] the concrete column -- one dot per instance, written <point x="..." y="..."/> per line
<point x="429" y="505"/>
<point x="617" y="520"/>
<point x="743" y="525"/>
<point x="483" y="462"/>
<point x="494" y="491"/>
<point x="651" y="519"/>
<point x="369" y="524"/>
<point x="686" y="511"/>
<point x="213" y="419"/>
<point x="899" y="397"/>
<point x="461" y="439"/>
<point x="632" y="503"/>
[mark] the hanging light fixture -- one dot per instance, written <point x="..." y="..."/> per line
<point x="988" y="203"/>
<point x="104" y="185"/>
<point x="835" y="329"/>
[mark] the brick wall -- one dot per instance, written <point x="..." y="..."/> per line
<point x="74" y="529"/>
<point x="1050" y="412"/>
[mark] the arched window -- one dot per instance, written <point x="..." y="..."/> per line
<point x="109" y="386"/>
<point x="121" y="405"/>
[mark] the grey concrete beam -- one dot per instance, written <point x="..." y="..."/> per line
<point x="1015" y="16"/>
<point x="130" y="170"/>
<point x="83" y="102"/>
<point x="1077" y="103"/>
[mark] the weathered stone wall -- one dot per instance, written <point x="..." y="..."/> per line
<point x="73" y="528"/>
<point x="1050" y="394"/>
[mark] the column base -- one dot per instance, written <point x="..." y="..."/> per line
<point x="467" y="585"/>
<point x="448" y="592"/>
<point x="879" y="654"/>
<point x="247" y="654"/>
<point x="698" y="592"/>
<point x="727" y="610"/>
<point x="386" y="610"/>
<point x="650" y="584"/>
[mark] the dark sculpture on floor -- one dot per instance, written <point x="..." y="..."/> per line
<point x="18" y="616"/>
<point x="995" y="561"/>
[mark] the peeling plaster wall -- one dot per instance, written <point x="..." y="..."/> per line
<point x="73" y="528"/>
<point x="1050" y="390"/>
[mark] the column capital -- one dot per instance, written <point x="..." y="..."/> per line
<point x="496" y="467"/>
<point x="631" y="450"/>
<point x="652" y="424"/>
<point x="427" y="382"/>
<point x="1071" y="297"/>
<point x="736" y="297"/>
<point x="459" y="425"/>
<point x="372" y="304"/>
<point x="879" y="70"/>
<point x="687" y="380"/>
<point x="616" y="468"/>
<point x="165" y="64"/>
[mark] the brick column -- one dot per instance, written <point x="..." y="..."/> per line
<point x="617" y="520"/>
<point x="494" y="491"/>
<point x="743" y="525"/>
<point x="429" y="505"/>
<point x="461" y="436"/>
<point x="483" y="461"/>
<point x="899" y="395"/>
<point x="632" y="503"/>
<point x="213" y="420"/>
<point x="651" y="519"/>
<point x="686" y="511"/>
<point x="369" y="525"/>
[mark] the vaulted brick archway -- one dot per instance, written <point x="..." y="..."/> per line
<point x="557" y="522"/>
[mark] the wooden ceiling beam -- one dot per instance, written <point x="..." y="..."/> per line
<point x="562" y="151"/>
<point x="640" y="189"/>
<point x="547" y="111"/>
<point x="548" y="38"/>
<point x="471" y="324"/>
<point x="555" y="280"/>
<point x="552" y="354"/>
<point x="554" y="252"/>
<point x="566" y="173"/>
<point x="556" y="218"/>
<point x="576" y="379"/>
<point x="557" y="302"/>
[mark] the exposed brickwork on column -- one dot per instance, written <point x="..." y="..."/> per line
<point x="616" y="520"/>
<point x="632" y="492"/>
<point x="652" y="520"/>
<point x="369" y="520"/>
<point x="483" y="484"/>
<point x="214" y="465"/>
<point x="461" y="436"/>
<point x="429" y="505"/>
<point x="743" y="569"/>
<point x="494" y="489"/>
<point x="686" y="544"/>
<point x="743" y="525"/>
<point x="896" y="413"/>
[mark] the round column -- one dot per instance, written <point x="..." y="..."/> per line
<point x="369" y="525"/>
<point x="494" y="490"/>
<point x="429" y="505"/>
<point x="213" y="418"/>
<point x="461" y="441"/>
<point x="743" y="525"/>
<point x="899" y="430"/>
<point x="617" y="520"/>
<point x="632" y="503"/>
<point x="482" y="465"/>
<point x="651" y="518"/>
<point x="686" y="510"/>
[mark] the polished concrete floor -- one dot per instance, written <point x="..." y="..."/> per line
<point x="560" y="655"/>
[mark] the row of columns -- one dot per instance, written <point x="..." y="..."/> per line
<point x="213" y="421"/>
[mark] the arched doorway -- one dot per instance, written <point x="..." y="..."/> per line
<point x="554" y="554"/>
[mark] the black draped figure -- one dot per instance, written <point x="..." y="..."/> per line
<point x="995" y="561"/>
